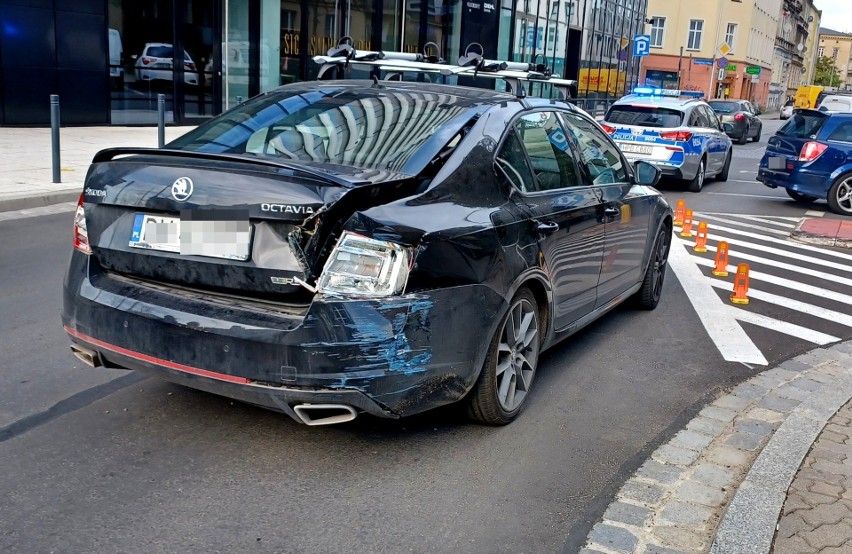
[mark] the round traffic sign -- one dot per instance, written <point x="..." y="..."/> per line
<point x="722" y="62"/>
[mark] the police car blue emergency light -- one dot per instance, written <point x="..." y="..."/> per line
<point x="673" y="129"/>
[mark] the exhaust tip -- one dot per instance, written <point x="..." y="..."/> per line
<point x="88" y="357"/>
<point x="324" y="414"/>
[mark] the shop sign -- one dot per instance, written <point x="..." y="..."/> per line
<point x="752" y="70"/>
<point x="731" y="67"/>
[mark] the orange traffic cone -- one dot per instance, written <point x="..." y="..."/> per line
<point x="721" y="269"/>
<point x="687" y="224"/>
<point x="680" y="211"/>
<point x="740" y="285"/>
<point x="701" y="238"/>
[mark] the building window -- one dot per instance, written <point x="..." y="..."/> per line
<point x="696" y="26"/>
<point x="821" y="51"/>
<point x="730" y="35"/>
<point x="658" y="24"/>
<point x="834" y="53"/>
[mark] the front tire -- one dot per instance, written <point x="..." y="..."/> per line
<point x="757" y="137"/>
<point x="698" y="182"/>
<point x="648" y="296"/>
<point x="840" y="195"/>
<point x="504" y="383"/>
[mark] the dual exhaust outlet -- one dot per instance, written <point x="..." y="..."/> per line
<point x="309" y="414"/>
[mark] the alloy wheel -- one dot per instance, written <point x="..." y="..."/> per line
<point x="517" y="354"/>
<point x="844" y="195"/>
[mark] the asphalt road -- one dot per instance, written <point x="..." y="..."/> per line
<point x="110" y="461"/>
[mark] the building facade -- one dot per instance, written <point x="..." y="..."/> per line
<point x="838" y="47"/>
<point x="811" y="49"/>
<point x="110" y="59"/>
<point x="721" y="47"/>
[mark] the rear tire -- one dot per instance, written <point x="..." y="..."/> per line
<point x="800" y="198"/>
<point x="504" y="383"/>
<point x="840" y="195"/>
<point x="697" y="182"/>
<point x="743" y="138"/>
<point x="726" y="169"/>
<point x="648" y="296"/>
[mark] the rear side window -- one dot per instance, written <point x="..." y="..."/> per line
<point x="645" y="116"/>
<point x="725" y="107"/>
<point x="549" y="154"/>
<point x="803" y="124"/>
<point x="843" y="132"/>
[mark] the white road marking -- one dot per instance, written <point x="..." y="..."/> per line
<point x="752" y="182"/>
<point x="746" y="225"/>
<point x="732" y="341"/>
<point x="781" y="265"/>
<point x="747" y="171"/>
<point x="747" y="195"/>
<point x="814" y="213"/>
<point x="788" y="283"/>
<point x="757" y="219"/>
<point x="803" y="307"/>
<point x="783" y="327"/>
<point x="42" y="210"/>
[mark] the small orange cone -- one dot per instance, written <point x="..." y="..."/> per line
<point x="701" y="238"/>
<point x="740" y="285"/>
<point x="721" y="269"/>
<point x="687" y="224"/>
<point x="680" y="211"/>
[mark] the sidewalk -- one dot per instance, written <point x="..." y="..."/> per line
<point x="26" y="174"/>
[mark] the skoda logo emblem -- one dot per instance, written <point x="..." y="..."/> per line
<point x="182" y="189"/>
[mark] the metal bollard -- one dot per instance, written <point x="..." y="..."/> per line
<point x="54" y="136"/>
<point x="161" y="120"/>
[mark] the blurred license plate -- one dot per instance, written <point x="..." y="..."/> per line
<point x="636" y="149"/>
<point x="776" y="162"/>
<point x="215" y="234"/>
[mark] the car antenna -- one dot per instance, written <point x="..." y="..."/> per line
<point x="376" y="83"/>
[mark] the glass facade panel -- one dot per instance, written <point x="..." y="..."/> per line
<point x="199" y="39"/>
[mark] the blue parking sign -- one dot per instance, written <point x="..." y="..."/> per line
<point x="641" y="45"/>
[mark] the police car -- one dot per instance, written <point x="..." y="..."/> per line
<point x="675" y="130"/>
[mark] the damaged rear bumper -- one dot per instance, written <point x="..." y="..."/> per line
<point x="389" y="357"/>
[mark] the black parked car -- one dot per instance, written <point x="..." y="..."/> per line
<point x="332" y="248"/>
<point x="742" y="115"/>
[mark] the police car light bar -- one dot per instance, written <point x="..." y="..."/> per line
<point x="471" y="64"/>
<point x="651" y="91"/>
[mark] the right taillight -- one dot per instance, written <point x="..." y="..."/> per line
<point x="81" y="235"/>
<point x="811" y="151"/>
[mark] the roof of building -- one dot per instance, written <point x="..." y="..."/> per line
<point x="827" y="31"/>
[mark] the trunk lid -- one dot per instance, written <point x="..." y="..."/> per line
<point x="291" y="216"/>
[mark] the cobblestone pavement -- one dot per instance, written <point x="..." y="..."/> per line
<point x="817" y="514"/>
<point x="719" y="484"/>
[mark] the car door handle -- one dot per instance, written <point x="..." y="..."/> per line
<point x="547" y="227"/>
<point x="612" y="212"/>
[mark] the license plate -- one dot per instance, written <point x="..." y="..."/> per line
<point x="636" y="149"/>
<point x="212" y="234"/>
<point x="776" y="162"/>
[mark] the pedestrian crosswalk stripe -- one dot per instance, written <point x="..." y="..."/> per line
<point x="796" y="305"/>
<point x="745" y="225"/>
<point x="782" y="282"/>
<point x="785" y="266"/>
<point x="778" y="219"/>
<point x="783" y="327"/>
<point x="790" y="244"/>
<point x="730" y="339"/>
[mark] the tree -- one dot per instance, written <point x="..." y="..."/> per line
<point x="826" y="73"/>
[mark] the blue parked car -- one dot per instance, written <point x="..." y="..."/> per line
<point x="811" y="157"/>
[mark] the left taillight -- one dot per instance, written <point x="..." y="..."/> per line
<point x="811" y="150"/>
<point x="81" y="234"/>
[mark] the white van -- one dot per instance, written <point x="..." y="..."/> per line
<point x="116" y="54"/>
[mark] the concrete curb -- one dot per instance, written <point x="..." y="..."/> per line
<point x="676" y="500"/>
<point x="27" y="201"/>
<point x="800" y="235"/>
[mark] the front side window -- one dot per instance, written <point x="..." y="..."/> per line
<point x="600" y="156"/>
<point x="658" y="25"/>
<point x="696" y="27"/>
<point x="548" y="151"/>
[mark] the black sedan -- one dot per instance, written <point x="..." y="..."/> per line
<point x="339" y="247"/>
<point x="742" y="115"/>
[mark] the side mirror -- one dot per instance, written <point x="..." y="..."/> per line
<point x="646" y="174"/>
<point x="757" y="111"/>
<point x="728" y="127"/>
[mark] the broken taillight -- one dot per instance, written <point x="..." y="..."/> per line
<point x="81" y="235"/>
<point x="608" y="128"/>
<point x="811" y="150"/>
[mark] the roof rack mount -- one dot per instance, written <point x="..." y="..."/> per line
<point x="471" y="64"/>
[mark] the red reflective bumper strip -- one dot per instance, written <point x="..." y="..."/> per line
<point x="158" y="361"/>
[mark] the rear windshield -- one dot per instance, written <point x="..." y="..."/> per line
<point x="644" y="116"/>
<point x="160" y="51"/>
<point x="803" y="124"/>
<point x="725" y="107"/>
<point x="334" y="126"/>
